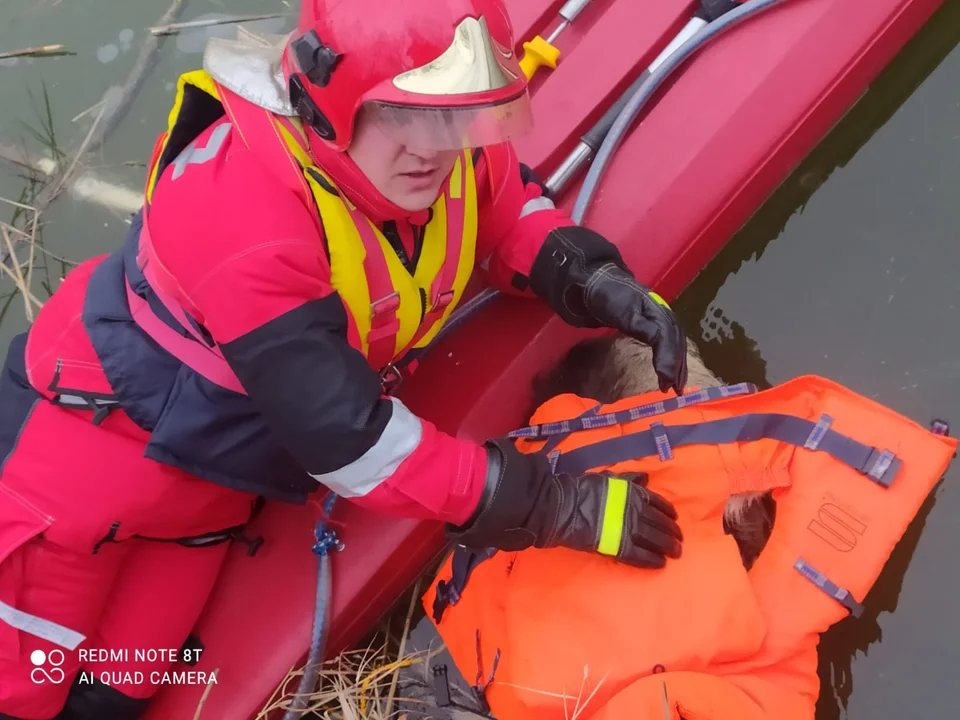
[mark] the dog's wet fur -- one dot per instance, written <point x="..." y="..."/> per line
<point x="611" y="368"/>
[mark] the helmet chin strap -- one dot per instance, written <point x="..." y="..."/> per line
<point x="357" y="187"/>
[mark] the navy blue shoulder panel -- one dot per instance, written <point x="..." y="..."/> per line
<point x="17" y="398"/>
<point x="217" y="434"/>
<point x="195" y="425"/>
<point x="140" y="372"/>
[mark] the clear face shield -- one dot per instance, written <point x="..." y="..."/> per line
<point x="473" y="95"/>
<point x="452" y="128"/>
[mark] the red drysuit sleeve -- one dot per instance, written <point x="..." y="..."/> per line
<point x="515" y="216"/>
<point x="251" y="268"/>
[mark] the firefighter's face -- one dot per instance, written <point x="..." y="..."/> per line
<point x="407" y="176"/>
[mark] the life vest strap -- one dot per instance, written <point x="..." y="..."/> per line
<point x="100" y="408"/>
<point x="555" y="440"/>
<point x="841" y="595"/>
<point x="100" y="403"/>
<point x="443" y="288"/>
<point x="463" y="563"/>
<point x="881" y="466"/>
<point x="590" y="422"/>
<point x="190" y="351"/>
<point x="385" y="299"/>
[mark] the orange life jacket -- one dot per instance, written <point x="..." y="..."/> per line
<point x="702" y="638"/>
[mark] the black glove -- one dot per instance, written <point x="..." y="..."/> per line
<point x="525" y="504"/>
<point x="582" y="276"/>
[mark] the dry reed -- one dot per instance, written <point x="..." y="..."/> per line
<point x="173" y="28"/>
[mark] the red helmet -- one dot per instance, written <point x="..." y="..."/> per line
<point x="433" y="74"/>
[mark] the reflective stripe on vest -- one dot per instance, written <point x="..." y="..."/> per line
<point x="384" y="301"/>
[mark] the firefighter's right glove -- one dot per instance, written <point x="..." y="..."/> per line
<point x="524" y="504"/>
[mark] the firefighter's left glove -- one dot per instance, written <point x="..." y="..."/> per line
<point x="582" y="276"/>
<point x="524" y="504"/>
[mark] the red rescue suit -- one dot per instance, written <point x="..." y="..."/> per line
<point x="118" y="449"/>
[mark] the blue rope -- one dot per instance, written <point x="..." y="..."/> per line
<point x="326" y="541"/>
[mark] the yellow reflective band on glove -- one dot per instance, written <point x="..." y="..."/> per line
<point x="659" y="300"/>
<point x="614" y="509"/>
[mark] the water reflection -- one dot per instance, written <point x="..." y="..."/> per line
<point x="731" y="297"/>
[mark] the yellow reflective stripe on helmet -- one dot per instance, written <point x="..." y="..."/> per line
<point x="614" y="509"/>
<point x="657" y="299"/>
<point x="468" y="249"/>
<point x="199" y="79"/>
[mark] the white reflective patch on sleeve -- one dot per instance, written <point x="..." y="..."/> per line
<point x="532" y="206"/>
<point x="38" y="627"/>
<point x="193" y="154"/>
<point x="399" y="439"/>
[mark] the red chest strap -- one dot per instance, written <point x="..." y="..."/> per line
<point x="384" y="298"/>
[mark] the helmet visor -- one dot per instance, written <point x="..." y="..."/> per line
<point x="452" y="128"/>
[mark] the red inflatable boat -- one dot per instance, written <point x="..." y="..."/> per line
<point x="716" y="141"/>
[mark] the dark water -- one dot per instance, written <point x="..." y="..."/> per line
<point x="848" y="271"/>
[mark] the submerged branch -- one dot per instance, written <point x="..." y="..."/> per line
<point x="117" y="101"/>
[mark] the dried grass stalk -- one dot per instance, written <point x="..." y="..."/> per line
<point x="403" y="646"/>
<point x="65" y="177"/>
<point x="206" y="694"/>
<point x="16" y="275"/>
<point x="40" y="51"/>
<point x="354" y="685"/>
<point x="173" y="28"/>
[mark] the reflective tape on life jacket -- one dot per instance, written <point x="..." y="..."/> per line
<point x="723" y="642"/>
<point x="392" y="312"/>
